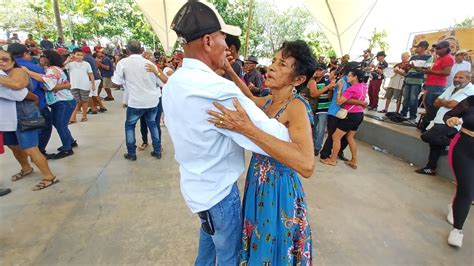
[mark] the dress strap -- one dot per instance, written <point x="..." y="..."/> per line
<point x="267" y="103"/>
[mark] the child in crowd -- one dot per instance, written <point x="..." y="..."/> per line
<point x="82" y="82"/>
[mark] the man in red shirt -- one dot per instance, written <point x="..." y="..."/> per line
<point x="437" y="79"/>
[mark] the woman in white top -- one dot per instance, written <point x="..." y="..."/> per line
<point x="59" y="98"/>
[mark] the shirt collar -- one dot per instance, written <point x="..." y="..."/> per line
<point x="196" y="64"/>
<point x="136" y="55"/>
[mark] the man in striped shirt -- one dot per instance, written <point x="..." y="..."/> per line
<point x="319" y="89"/>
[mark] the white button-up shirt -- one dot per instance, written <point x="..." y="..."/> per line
<point x="142" y="88"/>
<point x="448" y="95"/>
<point x="210" y="159"/>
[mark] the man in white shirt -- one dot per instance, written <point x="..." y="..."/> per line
<point x="459" y="65"/>
<point x="439" y="135"/>
<point x="211" y="159"/>
<point x="142" y="95"/>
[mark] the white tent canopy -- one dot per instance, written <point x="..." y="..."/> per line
<point x="340" y="20"/>
<point x="159" y="14"/>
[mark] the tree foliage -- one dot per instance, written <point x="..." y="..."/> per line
<point x="120" y="20"/>
<point x="378" y="40"/>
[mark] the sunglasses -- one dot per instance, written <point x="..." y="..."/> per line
<point x="5" y="59"/>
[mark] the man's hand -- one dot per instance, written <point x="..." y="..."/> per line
<point x="151" y="68"/>
<point x="453" y="121"/>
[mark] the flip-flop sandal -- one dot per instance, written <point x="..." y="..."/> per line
<point x="143" y="147"/>
<point x="72" y="122"/>
<point x="45" y="183"/>
<point x="84" y="120"/>
<point x="351" y="164"/>
<point x="328" y="162"/>
<point x="20" y="175"/>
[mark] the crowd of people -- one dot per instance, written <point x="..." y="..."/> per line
<point x="287" y="113"/>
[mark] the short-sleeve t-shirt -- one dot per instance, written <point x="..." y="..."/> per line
<point x="357" y="92"/>
<point x="107" y="73"/>
<point x="79" y="75"/>
<point x="437" y="80"/>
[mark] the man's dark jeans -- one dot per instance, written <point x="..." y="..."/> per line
<point x="133" y="115"/>
<point x="144" y="127"/>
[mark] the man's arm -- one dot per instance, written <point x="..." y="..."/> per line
<point x="443" y="72"/>
<point x="13" y="95"/>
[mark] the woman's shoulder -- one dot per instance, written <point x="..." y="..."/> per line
<point x="298" y="107"/>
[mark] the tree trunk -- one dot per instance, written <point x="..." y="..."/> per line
<point x="59" y="25"/>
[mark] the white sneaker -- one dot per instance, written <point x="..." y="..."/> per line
<point x="455" y="238"/>
<point x="450" y="216"/>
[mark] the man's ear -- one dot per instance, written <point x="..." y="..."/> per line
<point x="207" y="42"/>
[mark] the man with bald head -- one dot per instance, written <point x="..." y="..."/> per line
<point x="141" y="96"/>
<point x="211" y="159"/>
<point x="439" y="135"/>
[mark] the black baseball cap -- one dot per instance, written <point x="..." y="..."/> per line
<point x="423" y="44"/>
<point x="320" y="66"/>
<point x="17" y="49"/>
<point x="196" y="19"/>
<point x="381" y="53"/>
<point x="441" y="45"/>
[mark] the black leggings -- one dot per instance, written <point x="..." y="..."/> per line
<point x="462" y="164"/>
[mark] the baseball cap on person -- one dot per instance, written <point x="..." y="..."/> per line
<point x="86" y="49"/>
<point x="196" y="19"/>
<point x="320" y="66"/>
<point x="381" y="53"/>
<point x="423" y="44"/>
<point x="462" y="51"/>
<point x="441" y="45"/>
<point x="17" y="49"/>
<point x="252" y="59"/>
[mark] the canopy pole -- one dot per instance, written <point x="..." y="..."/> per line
<point x="247" y="33"/>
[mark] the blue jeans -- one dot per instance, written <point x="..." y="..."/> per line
<point x="432" y="93"/>
<point x="45" y="133"/>
<point x="410" y="100"/>
<point x="320" y="122"/>
<point x="133" y="115"/>
<point x="62" y="111"/>
<point x="143" y="126"/>
<point x="224" y="246"/>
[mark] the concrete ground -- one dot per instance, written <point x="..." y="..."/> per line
<point x="107" y="210"/>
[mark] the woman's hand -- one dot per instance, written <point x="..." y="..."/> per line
<point x="453" y="121"/>
<point x="151" y="68"/>
<point x="237" y="121"/>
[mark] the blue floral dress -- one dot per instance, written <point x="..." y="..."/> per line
<point x="276" y="229"/>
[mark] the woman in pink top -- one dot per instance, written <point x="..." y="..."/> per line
<point x="350" y="124"/>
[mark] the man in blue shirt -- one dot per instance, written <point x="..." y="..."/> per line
<point x="23" y="59"/>
<point x="332" y="120"/>
<point x="45" y="44"/>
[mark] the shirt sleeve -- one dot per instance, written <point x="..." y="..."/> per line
<point x="13" y="95"/>
<point x="349" y="93"/>
<point x="270" y="126"/>
<point x="458" y="110"/>
<point x="447" y="61"/>
<point x="89" y="68"/>
<point x="118" y="77"/>
<point x="445" y="94"/>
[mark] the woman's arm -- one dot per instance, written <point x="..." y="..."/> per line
<point x="34" y="75"/>
<point x="259" y="101"/>
<point x="157" y="72"/>
<point x="298" y="154"/>
<point x="65" y="86"/>
<point x="17" y="79"/>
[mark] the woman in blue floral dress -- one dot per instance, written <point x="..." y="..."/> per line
<point x="276" y="229"/>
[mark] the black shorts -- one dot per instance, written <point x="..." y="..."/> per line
<point x="351" y="123"/>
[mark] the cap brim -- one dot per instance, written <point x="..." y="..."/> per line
<point x="232" y="30"/>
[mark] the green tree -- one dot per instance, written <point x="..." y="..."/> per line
<point x="378" y="40"/>
<point x="466" y="23"/>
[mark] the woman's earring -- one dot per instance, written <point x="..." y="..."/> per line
<point x="294" y="91"/>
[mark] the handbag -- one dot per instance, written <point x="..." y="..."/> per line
<point x="31" y="123"/>
<point x="342" y="113"/>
